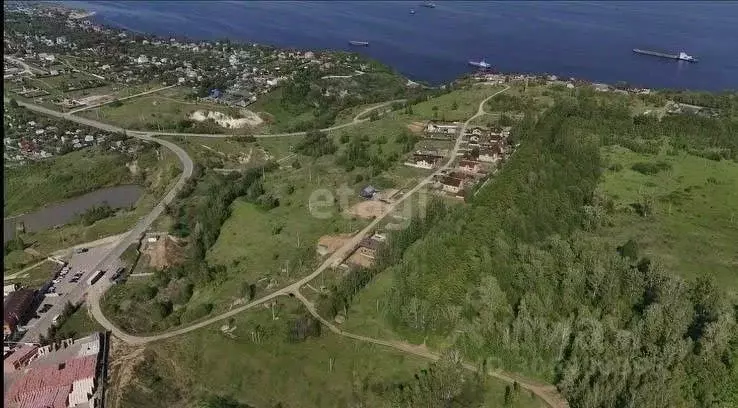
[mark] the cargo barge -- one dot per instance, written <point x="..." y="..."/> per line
<point x="682" y="56"/>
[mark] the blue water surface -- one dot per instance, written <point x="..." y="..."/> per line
<point x="588" y="40"/>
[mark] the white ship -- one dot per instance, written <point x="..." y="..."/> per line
<point x="480" y="64"/>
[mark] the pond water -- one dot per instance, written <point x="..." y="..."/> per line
<point x="67" y="211"/>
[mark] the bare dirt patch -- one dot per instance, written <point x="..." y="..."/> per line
<point x="163" y="253"/>
<point x="416" y="127"/>
<point x="95" y="99"/>
<point x="359" y="259"/>
<point x="328" y="244"/>
<point x="123" y="360"/>
<point x="368" y="209"/>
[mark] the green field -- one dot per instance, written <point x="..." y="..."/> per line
<point x="694" y="226"/>
<point x="280" y="243"/>
<point x="279" y="118"/>
<point x="327" y="371"/>
<point x="466" y="103"/>
<point x="157" y="112"/>
<point x="228" y="153"/>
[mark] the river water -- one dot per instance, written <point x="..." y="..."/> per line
<point x="587" y="40"/>
<point x="67" y="211"/>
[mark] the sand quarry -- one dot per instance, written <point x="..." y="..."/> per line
<point x="249" y="118"/>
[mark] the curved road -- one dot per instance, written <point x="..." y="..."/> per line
<point x="109" y="260"/>
<point x="333" y="260"/>
<point x="356" y="120"/>
<point x="547" y="393"/>
<point x="336" y="258"/>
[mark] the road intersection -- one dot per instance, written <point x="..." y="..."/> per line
<point x="112" y="252"/>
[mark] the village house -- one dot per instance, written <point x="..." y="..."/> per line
<point x="369" y="247"/>
<point x="441" y="128"/>
<point x="368" y="192"/>
<point x="452" y="184"/>
<point x="424" y="161"/>
<point x="490" y="154"/>
<point x="469" y="166"/>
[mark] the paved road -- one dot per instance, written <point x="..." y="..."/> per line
<point x="108" y="259"/>
<point x="547" y="393"/>
<point x="84" y="108"/>
<point x="336" y="258"/>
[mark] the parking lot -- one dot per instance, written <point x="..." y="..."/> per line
<point x="68" y="288"/>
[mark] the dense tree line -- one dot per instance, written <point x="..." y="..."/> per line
<point x="316" y="144"/>
<point x="526" y="290"/>
<point x="340" y="295"/>
<point x="444" y="384"/>
<point x="200" y="214"/>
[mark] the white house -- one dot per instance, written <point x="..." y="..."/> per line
<point x="439" y="128"/>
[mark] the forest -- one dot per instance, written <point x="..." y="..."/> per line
<point x="515" y="280"/>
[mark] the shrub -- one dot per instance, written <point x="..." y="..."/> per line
<point x="648" y="168"/>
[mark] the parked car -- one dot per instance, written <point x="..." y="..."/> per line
<point x="55" y="320"/>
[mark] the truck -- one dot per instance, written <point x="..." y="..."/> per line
<point x="118" y="272"/>
<point x="95" y="277"/>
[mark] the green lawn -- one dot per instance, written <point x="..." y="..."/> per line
<point x="467" y="102"/>
<point x="695" y="224"/>
<point x="328" y="371"/>
<point x="17" y="260"/>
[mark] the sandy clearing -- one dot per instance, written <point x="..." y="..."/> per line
<point x="416" y="127"/>
<point x="332" y="242"/>
<point x="368" y="209"/>
<point x="223" y="120"/>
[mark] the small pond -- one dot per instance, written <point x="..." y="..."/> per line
<point x="67" y="211"/>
